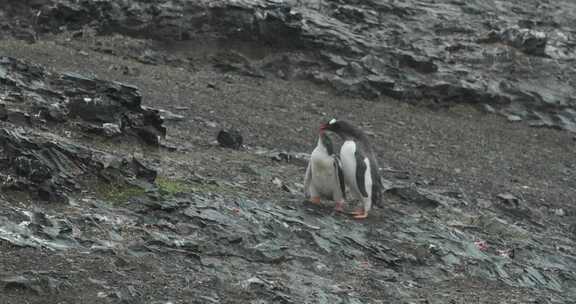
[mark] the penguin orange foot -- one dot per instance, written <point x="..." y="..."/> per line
<point x="359" y="214"/>
<point x="315" y="200"/>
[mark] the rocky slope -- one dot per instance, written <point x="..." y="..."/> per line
<point x="514" y="57"/>
<point x="115" y="191"/>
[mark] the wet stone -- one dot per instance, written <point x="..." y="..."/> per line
<point x="169" y="116"/>
<point x="21" y="283"/>
<point x="230" y="138"/>
<point x="32" y="168"/>
<point x="3" y="112"/>
<point x="509" y="200"/>
<point x="529" y="41"/>
<point x="111" y="130"/>
<point x="33" y="282"/>
<point x="412" y="195"/>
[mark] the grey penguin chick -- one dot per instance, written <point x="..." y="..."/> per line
<point x="324" y="177"/>
<point x="359" y="165"/>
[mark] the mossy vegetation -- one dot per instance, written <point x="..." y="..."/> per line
<point x="172" y="186"/>
<point x="118" y="193"/>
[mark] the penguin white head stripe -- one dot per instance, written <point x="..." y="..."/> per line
<point x="326" y="126"/>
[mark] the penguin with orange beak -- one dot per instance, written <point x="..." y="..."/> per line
<point x="359" y="165"/>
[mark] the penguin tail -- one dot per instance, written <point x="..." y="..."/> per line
<point x="377" y="193"/>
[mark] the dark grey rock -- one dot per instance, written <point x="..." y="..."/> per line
<point x="67" y="97"/>
<point x="3" y="112"/>
<point x="169" y="116"/>
<point x="529" y="41"/>
<point x="418" y="63"/>
<point x="56" y="112"/>
<point x="338" y="61"/>
<point x="381" y="83"/>
<point x="513" y="118"/>
<point x="48" y="167"/>
<point x="34" y="282"/>
<point x="18" y="117"/>
<point x="509" y="200"/>
<point x="412" y="195"/>
<point x="230" y="138"/>
<point x="21" y="283"/>
<point x="111" y="129"/>
<point x="230" y="61"/>
<point x="32" y="168"/>
<point x="281" y="156"/>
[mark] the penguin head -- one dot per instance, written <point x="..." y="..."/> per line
<point x="334" y="125"/>
<point x="342" y="128"/>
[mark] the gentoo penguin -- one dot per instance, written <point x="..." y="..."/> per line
<point x="358" y="164"/>
<point x="324" y="177"/>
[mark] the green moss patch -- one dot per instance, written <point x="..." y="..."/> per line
<point x="172" y="186"/>
<point x="116" y="193"/>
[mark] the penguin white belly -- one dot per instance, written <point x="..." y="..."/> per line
<point x="323" y="174"/>
<point x="348" y="158"/>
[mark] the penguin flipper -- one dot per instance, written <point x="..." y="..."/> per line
<point x="340" y="176"/>
<point x="308" y="180"/>
<point x="361" y="173"/>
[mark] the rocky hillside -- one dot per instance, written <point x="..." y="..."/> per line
<point x="115" y="189"/>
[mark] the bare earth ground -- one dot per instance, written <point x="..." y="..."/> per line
<point x="460" y="149"/>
